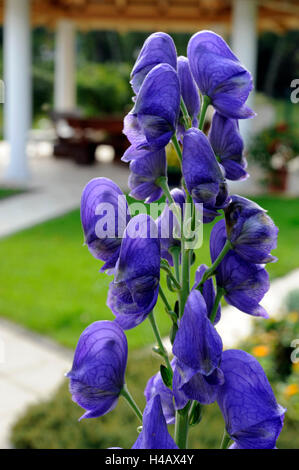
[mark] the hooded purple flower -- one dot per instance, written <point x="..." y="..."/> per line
<point x="133" y="293"/>
<point x="152" y="121"/>
<point x="98" y="370"/>
<point x="251" y="231"/>
<point x="252" y="416"/>
<point x="208" y="292"/>
<point x="156" y="386"/>
<point x="158" y="48"/>
<point x="144" y="171"/>
<point x="198" y="349"/>
<point x="203" y="176"/>
<point x="189" y="384"/>
<point x="154" y="434"/>
<point x="245" y="284"/>
<point x="168" y="226"/>
<point x="219" y="74"/>
<point x="104" y="216"/>
<point x="189" y="90"/>
<point x="227" y="144"/>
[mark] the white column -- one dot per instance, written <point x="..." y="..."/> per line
<point x="244" y="45"/>
<point x="65" y="67"/>
<point x="17" y="79"/>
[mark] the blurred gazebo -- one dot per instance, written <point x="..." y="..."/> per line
<point x="242" y="19"/>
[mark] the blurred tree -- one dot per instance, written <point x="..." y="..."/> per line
<point x="278" y="63"/>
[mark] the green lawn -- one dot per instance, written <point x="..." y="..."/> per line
<point x="51" y="284"/>
<point x="6" y="192"/>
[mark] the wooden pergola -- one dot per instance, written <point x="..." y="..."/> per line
<point x="169" y="15"/>
<point x="239" y="19"/>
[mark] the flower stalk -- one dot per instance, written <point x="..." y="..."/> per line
<point x="131" y="402"/>
<point x="161" y="348"/>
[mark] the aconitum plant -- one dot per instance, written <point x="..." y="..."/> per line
<point x="170" y="103"/>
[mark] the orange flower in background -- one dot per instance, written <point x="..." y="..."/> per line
<point x="291" y="390"/>
<point x="261" y="350"/>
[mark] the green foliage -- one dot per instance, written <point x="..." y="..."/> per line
<point x="104" y="89"/>
<point x="53" y="424"/>
<point x="280" y="140"/>
<point x="292" y="301"/>
<point x="7" y="192"/>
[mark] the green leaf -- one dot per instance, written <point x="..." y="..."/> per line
<point x="173" y="332"/>
<point x="196" y="415"/>
<point x="166" y="375"/>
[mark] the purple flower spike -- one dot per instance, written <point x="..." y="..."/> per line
<point x="152" y="121"/>
<point x="227" y="144"/>
<point x="134" y="292"/>
<point x="143" y="175"/>
<point x="98" y="371"/>
<point x="104" y="216"/>
<point x="155" y="386"/>
<point x="253" y="417"/>
<point x="251" y="231"/>
<point x="168" y="226"/>
<point x="219" y="74"/>
<point x="245" y="284"/>
<point x="154" y="434"/>
<point x="203" y="176"/>
<point x="189" y="90"/>
<point x="208" y="292"/>
<point x="158" y="48"/>
<point x="197" y="343"/>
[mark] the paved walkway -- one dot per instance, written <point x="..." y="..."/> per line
<point x="31" y="368"/>
<point x="55" y="188"/>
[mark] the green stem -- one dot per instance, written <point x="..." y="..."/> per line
<point x="162" y="182"/>
<point x="159" y="341"/>
<point x="209" y="272"/>
<point x="182" y="427"/>
<point x="187" y="120"/>
<point x="130" y="400"/>
<point x="167" y="269"/>
<point x="185" y="280"/>
<point x="176" y="252"/>
<point x="219" y="294"/>
<point x="164" y="298"/>
<point x="204" y="107"/>
<point x="167" y="306"/>
<point x="177" y="147"/>
<point x="225" y="440"/>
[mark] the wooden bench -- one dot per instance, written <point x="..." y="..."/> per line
<point x="78" y="137"/>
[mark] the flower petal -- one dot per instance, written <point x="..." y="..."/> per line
<point x="154" y="434"/>
<point x="158" y="48"/>
<point x="245" y="283"/>
<point x="97" y="374"/>
<point x="219" y="74"/>
<point x="253" y="417"/>
<point x="152" y="121"/>
<point x="197" y="343"/>
<point x="227" y="144"/>
<point x="104" y="216"/>
<point x="134" y="291"/>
